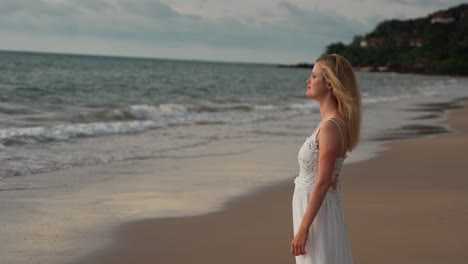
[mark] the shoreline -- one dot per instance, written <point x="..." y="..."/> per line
<point x="257" y="227"/>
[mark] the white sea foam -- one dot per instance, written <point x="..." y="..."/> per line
<point x="69" y="131"/>
<point x="139" y="118"/>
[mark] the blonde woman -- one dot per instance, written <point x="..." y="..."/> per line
<point x="319" y="228"/>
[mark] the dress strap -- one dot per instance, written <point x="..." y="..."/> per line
<point x="340" y="119"/>
<point x="342" y="138"/>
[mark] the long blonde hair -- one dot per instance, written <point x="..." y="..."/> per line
<point x="339" y="73"/>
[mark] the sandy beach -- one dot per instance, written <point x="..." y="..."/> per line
<point x="407" y="205"/>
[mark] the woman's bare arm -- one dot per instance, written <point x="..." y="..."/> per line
<point x="329" y="150"/>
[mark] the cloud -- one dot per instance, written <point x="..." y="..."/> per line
<point x="157" y="22"/>
<point x="153" y="23"/>
<point x="148" y="8"/>
<point x="325" y="22"/>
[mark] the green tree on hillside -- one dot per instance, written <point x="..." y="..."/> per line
<point x="437" y="43"/>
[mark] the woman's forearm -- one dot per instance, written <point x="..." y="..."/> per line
<point x="315" y="201"/>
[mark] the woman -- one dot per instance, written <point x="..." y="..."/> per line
<point x="319" y="227"/>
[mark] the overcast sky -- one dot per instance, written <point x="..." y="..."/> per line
<point x="272" y="31"/>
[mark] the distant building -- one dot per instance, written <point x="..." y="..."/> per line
<point x="415" y="42"/>
<point x="442" y="17"/>
<point x="370" y="42"/>
<point x="363" y="43"/>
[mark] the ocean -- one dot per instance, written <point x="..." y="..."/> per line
<point x="92" y="141"/>
<point x="50" y="99"/>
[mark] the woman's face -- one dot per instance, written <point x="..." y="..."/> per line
<point x="316" y="86"/>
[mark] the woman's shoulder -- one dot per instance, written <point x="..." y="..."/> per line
<point x="330" y="129"/>
<point x="331" y="135"/>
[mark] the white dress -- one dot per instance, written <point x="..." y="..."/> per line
<point x="327" y="242"/>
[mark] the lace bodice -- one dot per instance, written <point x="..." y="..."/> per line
<point x="308" y="163"/>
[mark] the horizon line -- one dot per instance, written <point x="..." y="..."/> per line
<point x="139" y="57"/>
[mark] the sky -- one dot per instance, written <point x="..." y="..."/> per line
<point x="264" y="31"/>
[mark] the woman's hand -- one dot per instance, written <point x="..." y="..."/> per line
<point x="299" y="242"/>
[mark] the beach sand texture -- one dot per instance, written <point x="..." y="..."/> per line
<point x="407" y="205"/>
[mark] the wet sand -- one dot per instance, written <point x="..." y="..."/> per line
<point x="407" y="205"/>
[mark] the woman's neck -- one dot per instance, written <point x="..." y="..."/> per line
<point x="328" y="108"/>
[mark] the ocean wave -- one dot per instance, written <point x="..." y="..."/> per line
<point x="137" y="112"/>
<point x="304" y="107"/>
<point x="151" y="112"/>
<point x="266" y="107"/>
<point x="165" y="111"/>
<point x="226" y="100"/>
<point x="213" y="107"/>
<point x="382" y="99"/>
<point x="35" y="164"/>
<point x="62" y="132"/>
<point x="66" y="132"/>
<point x="140" y="118"/>
<point x="143" y="117"/>
<point x="12" y="109"/>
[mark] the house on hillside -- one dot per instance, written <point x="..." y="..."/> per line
<point x="442" y="17"/>
<point x="370" y="42"/>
